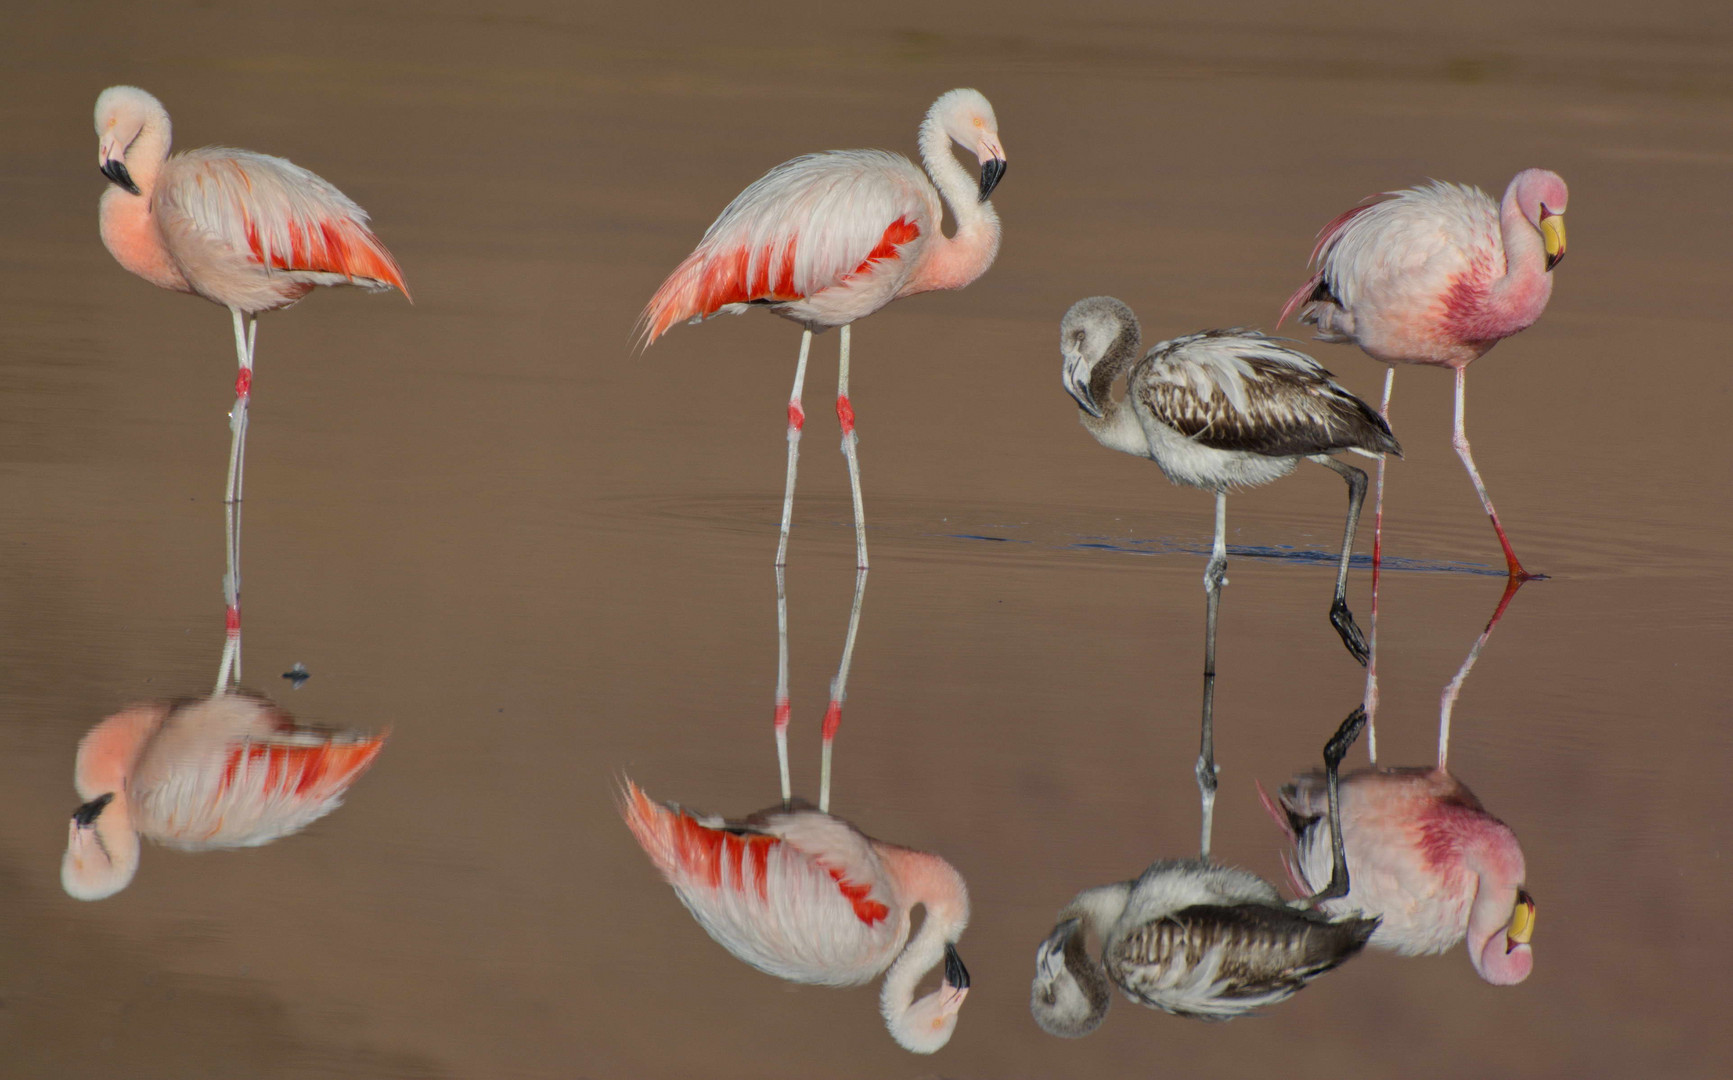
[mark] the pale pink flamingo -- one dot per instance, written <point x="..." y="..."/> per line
<point x="1195" y="939"/>
<point x="248" y="231"/>
<point x="1435" y="275"/>
<point x="222" y="772"/>
<point x="1427" y="858"/>
<point x="829" y="238"/>
<point x="805" y="896"/>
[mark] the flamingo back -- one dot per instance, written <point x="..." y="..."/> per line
<point x="1391" y="273"/>
<point x="255" y="232"/>
<point x="1240" y="390"/>
<point x="1403" y="831"/>
<point x="799" y="894"/>
<point x="235" y="771"/>
<point x="848" y="222"/>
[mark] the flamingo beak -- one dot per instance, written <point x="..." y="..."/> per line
<point x="1521" y="927"/>
<point x="956" y="975"/>
<point x="115" y="170"/>
<point x="1075" y="378"/>
<point x="992" y="158"/>
<point x="1552" y="233"/>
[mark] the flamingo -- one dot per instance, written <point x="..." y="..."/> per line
<point x="248" y="231"/>
<point x="805" y="896"/>
<point x="829" y="238"/>
<point x="227" y="771"/>
<point x="1194" y="939"/>
<point x="1216" y="410"/>
<point x="1438" y="275"/>
<point x="1428" y="859"/>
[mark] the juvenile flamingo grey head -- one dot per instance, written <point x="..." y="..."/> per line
<point x="1069" y="995"/>
<point x="1089" y="332"/>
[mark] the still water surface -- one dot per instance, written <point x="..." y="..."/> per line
<point x="544" y="562"/>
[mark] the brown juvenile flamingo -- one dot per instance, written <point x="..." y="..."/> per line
<point x="1218" y="410"/>
<point x="805" y="896"/>
<point x="223" y="772"/>
<point x="1427" y="857"/>
<point x="829" y="238"/>
<point x="1195" y="939"/>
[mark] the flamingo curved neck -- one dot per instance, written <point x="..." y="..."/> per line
<point x="1120" y="356"/>
<point x="1515" y="299"/>
<point x="148" y="150"/>
<point x="931" y="882"/>
<point x="955" y="261"/>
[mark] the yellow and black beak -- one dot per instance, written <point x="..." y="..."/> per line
<point x="1521" y="927"/>
<point x="1552" y="234"/>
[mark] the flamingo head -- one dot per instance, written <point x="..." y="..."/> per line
<point x="101" y="849"/>
<point x="1088" y="332"/>
<point x="1541" y="196"/>
<point x="1068" y="996"/>
<point x="122" y="112"/>
<point x="967" y="117"/>
<point x="927" y="1024"/>
<point x="1504" y="957"/>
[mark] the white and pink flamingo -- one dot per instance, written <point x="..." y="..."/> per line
<point x="805" y="896"/>
<point x="829" y="238"/>
<point x="1426" y="857"/>
<point x="1434" y="275"/>
<point x="248" y="231"/>
<point x="223" y="772"/>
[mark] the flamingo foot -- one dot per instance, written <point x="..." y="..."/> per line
<point x="1343" y="620"/>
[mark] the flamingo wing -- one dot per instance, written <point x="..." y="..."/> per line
<point x="1215" y="962"/>
<point x="236" y="772"/>
<point x="1240" y="390"/>
<point x="811" y="916"/>
<point x="807" y="225"/>
<point x="273" y="215"/>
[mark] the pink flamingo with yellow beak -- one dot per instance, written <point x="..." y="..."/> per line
<point x="223" y="772"/>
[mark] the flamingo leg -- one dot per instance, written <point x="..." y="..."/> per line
<point x="796" y="420"/>
<point x="246" y="335"/>
<point x="1334" y="751"/>
<point x="1340" y="617"/>
<point x="845" y="414"/>
<point x="839" y="692"/>
<point x="1214" y="577"/>
<point x="1370" y="702"/>
<point x="1447" y="702"/>
<point x="781" y="719"/>
<point x="1459" y="439"/>
<point x="229" y="669"/>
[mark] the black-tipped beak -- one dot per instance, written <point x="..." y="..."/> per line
<point x="115" y="170"/>
<point x="85" y="816"/>
<point x="1077" y="385"/>
<point x="956" y="975"/>
<point x="991" y="173"/>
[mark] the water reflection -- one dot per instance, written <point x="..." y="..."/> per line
<point x="803" y="895"/>
<point x="1193" y="938"/>
<point x="227" y="771"/>
<point x="1427" y="858"/>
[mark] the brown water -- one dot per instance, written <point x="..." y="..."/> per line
<point x="544" y="562"/>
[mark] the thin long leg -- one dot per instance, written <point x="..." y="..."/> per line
<point x="1371" y="696"/>
<point x="246" y="335"/>
<point x="839" y="691"/>
<point x="1214" y="577"/>
<point x="229" y="670"/>
<point x="1340" y="617"/>
<point x="845" y="415"/>
<point x="1460" y="440"/>
<point x="1447" y="702"/>
<point x="796" y="420"/>
<point x="781" y="720"/>
<point x="1334" y="751"/>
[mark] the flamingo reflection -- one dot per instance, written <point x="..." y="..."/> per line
<point x="1195" y="939"/>
<point x="804" y="895"/>
<point x="227" y="771"/>
<point x="1427" y="857"/>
